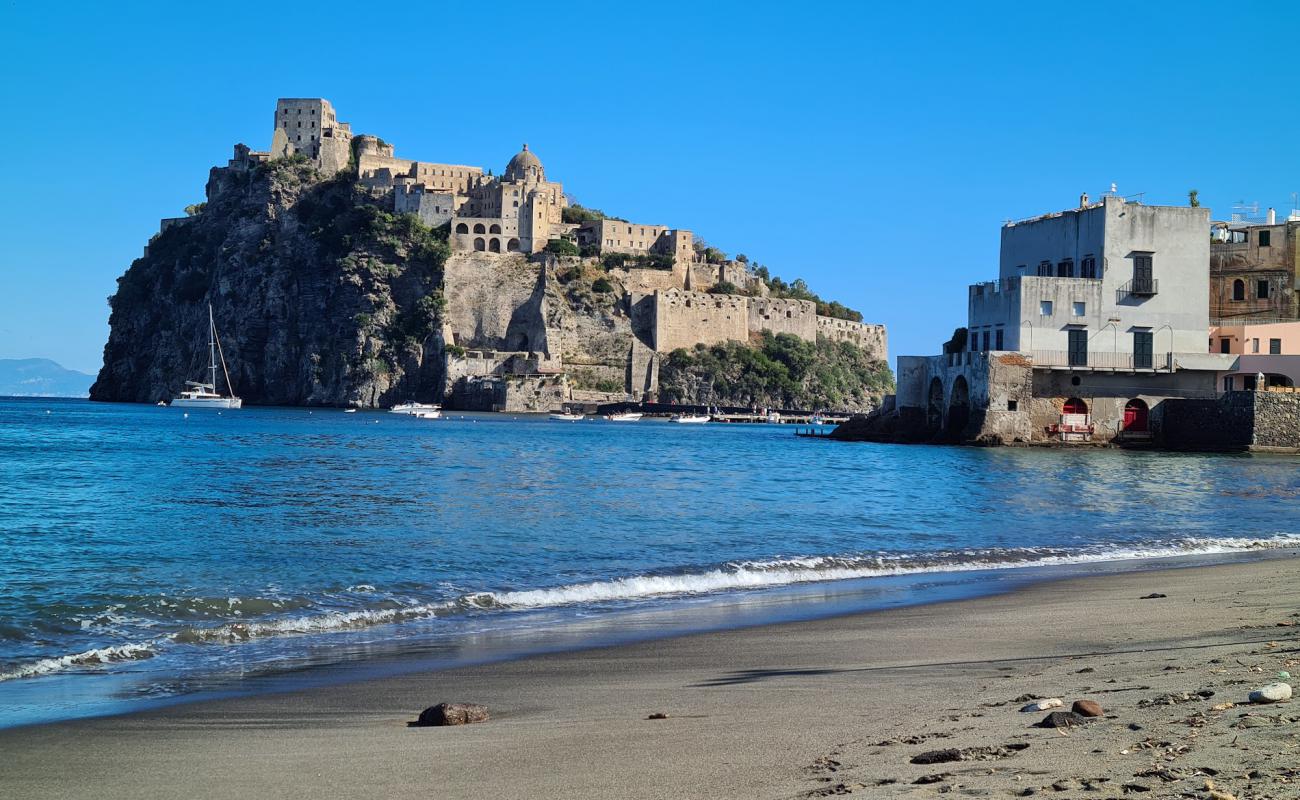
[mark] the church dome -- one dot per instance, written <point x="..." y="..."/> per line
<point x="524" y="165"/>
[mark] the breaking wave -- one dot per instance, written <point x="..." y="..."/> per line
<point x="733" y="576"/>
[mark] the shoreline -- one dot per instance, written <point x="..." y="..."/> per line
<point x="347" y="656"/>
<point x="767" y="711"/>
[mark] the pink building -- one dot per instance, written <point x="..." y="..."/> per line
<point x="1271" y="349"/>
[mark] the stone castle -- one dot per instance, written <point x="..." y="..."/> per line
<point x="512" y="343"/>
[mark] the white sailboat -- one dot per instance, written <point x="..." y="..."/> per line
<point x="204" y="395"/>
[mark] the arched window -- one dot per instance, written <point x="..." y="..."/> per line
<point x="1238" y="290"/>
<point x="494" y="245"/>
<point x="1074" y="406"/>
<point x="478" y="228"/>
<point x="494" y="229"/>
<point x="462" y="228"/>
<point x="512" y="246"/>
<point x="479" y="244"/>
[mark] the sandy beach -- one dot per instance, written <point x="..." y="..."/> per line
<point x="835" y="706"/>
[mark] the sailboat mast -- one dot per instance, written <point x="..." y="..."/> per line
<point x="212" y="349"/>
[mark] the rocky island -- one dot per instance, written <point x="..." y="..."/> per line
<point x="341" y="275"/>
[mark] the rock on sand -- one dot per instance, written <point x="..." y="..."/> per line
<point x="1272" y="693"/>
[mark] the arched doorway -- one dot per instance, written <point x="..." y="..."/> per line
<point x="959" y="407"/>
<point x="479" y="244"/>
<point x="494" y="245"/>
<point x="1074" y="406"/>
<point x="934" y="408"/>
<point x="495" y="228"/>
<point x="478" y="228"/>
<point x="1137" y="416"/>
<point x="462" y="228"/>
<point x="512" y="246"/>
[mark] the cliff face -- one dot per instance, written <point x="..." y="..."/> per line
<point x="321" y="297"/>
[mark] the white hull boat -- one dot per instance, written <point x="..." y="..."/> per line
<point x="426" y="414"/>
<point x="200" y="399"/>
<point x="690" y="419"/>
<point x="627" y="416"/>
<point x="565" y="417"/>
<point x="417" y="409"/>
<point x="204" y="395"/>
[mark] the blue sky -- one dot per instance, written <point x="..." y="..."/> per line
<point x="872" y="149"/>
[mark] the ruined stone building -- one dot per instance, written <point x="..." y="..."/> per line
<point x="1255" y="270"/>
<point x="1098" y="315"/>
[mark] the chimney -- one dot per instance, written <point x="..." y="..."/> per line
<point x="1083" y="200"/>
<point x="1271" y="217"/>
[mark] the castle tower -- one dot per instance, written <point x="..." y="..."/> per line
<point x="308" y="125"/>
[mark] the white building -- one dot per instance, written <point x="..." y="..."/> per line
<point x="1099" y="314"/>
<point x="1107" y="285"/>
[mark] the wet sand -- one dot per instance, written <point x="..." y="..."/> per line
<point x="807" y="709"/>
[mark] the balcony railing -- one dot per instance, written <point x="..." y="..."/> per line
<point x="1139" y="287"/>
<point x="1119" y="362"/>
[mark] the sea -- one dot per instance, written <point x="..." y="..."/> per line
<point x="153" y="555"/>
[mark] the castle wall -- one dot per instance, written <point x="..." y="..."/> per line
<point x="871" y="338"/>
<point x="796" y="317"/>
<point x="433" y="208"/>
<point x="684" y="319"/>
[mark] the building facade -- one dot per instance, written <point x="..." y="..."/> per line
<point x="1097" y="317"/>
<point x="1255" y="270"/>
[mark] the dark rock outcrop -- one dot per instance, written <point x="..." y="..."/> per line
<point x="452" y="714"/>
<point x="321" y="297"/>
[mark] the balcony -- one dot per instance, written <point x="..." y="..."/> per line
<point x="1138" y="287"/>
<point x="1103" y="361"/>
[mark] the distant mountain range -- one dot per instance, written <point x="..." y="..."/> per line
<point x="41" y="377"/>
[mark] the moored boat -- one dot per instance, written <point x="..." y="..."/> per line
<point x="565" y="416"/>
<point x="689" y="419"/>
<point x="417" y="409"/>
<point x="626" y="416"/>
<point x="205" y="395"/>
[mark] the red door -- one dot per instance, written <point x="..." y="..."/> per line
<point x="1135" y="416"/>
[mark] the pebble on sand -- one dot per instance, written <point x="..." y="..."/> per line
<point x="1087" y="708"/>
<point x="452" y="714"/>
<point x="1043" y="705"/>
<point x="1062" y="719"/>
<point x="1271" y="693"/>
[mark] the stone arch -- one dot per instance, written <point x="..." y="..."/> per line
<point x="934" y="408"/>
<point x="462" y="228"/>
<point x="1239" y="289"/>
<point x="478" y="228"/>
<point x="959" y="406"/>
<point x="494" y="245"/>
<point x="1137" y="416"/>
<point x="479" y="244"/>
<point x="512" y="246"/>
<point x="1074" y="405"/>
<point x="495" y="228"/>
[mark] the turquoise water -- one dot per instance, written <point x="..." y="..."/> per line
<point x="147" y="555"/>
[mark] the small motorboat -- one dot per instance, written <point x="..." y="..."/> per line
<point x="349" y="411"/>
<point x="416" y="408"/>
<point x="689" y="419"/>
<point x="565" y="416"/>
<point x="427" y="413"/>
<point x="626" y="416"/>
